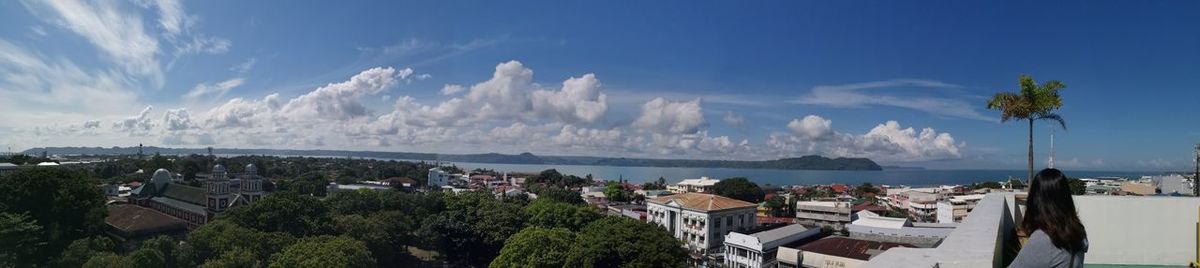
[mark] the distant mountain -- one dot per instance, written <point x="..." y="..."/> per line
<point x="811" y="162"/>
<point x="902" y="168"/>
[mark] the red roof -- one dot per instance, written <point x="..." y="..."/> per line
<point x="867" y="207"/>
<point x="837" y="188"/>
<point x="849" y="248"/>
<point x="763" y="220"/>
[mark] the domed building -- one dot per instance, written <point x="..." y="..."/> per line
<point x="197" y="205"/>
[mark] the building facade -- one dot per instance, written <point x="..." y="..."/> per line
<point x="196" y="205"/>
<point x="701" y="185"/>
<point x="955" y="208"/>
<point x="834" y="215"/>
<point x="701" y="220"/>
<point x="758" y="249"/>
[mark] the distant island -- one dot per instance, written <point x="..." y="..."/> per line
<point x="811" y="162"/>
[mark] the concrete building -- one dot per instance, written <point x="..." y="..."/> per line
<point x="197" y="205"/>
<point x="701" y="220"/>
<point x="955" y="208"/>
<point x="873" y="227"/>
<point x="334" y="187"/>
<point x="438" y="178"/>
<point x="1138" y="188"/>
<point x="835" y="251"/>
<point x="834" y="215"/>
<point x="701" y="185"/>
<point x="6" y="168"/>
<point x="1174" y="184"/>
<point x="758" y="248"/>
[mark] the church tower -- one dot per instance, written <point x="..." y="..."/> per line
<point x="251" y="185"/>
<point x="218" y="189"/>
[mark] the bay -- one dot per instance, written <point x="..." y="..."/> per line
<point x="911" y="177"/>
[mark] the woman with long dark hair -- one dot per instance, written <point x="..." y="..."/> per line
<point x="1056" y="236"/>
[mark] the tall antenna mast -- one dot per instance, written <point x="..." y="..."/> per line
<point x="1196" y="176"/>
<point x="1051" y="148"/>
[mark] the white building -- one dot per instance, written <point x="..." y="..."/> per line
<point x="873" y="227"/>
<point x="701" y="220"/>
<point x="701" y="185"/>
<point x="438" y="177"/>
<point x="758" y="249"/>
<point x="955" y="208"/>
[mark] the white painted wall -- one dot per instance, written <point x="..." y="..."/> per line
<point x="1139" y="230"/>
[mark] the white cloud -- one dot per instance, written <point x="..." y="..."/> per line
<point x="116" y="32"/>
<point x="1158" y="163"/>
<point x="667" y="117"/>
<point x="887" y="142"/>
<point x="91" y="124"/>
<point x="340" y="100"/>
<point x="733" y="120"/>
<point x="136" y="125"/>
<point x="216" y="91"/>
<point x="239" y="113"/>
<point x="244" y="67"/>
<point x="423" y="76"/>
<point x="812" y="127"/>
<point x="579" y="100"/>
<point x="177" y="119"/>
<point x="450" y="89"/>
<point x="56" y="91"/>
<point x="39" y="30"/>
<point x="851" y="96"/>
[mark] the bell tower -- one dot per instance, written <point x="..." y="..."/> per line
<point x="251" y="185"/>
<point x="218" y="189"/>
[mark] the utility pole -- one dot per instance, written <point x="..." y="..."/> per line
<point x="1052" y="148"/>
<point x="1196" y="176"/>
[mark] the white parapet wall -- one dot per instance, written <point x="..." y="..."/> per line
<point x="1138" y="230"/>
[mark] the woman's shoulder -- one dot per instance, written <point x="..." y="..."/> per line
<point x="1042" y="239"/>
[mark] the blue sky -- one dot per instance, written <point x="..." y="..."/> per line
<point x="745" y="81"/>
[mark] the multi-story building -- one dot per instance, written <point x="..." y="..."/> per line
<point x="701" y="220"/>
<point x="757" y="248"/>
<point x="834" y="215"/>
<point x="701" y="185"/>
<point x="955" y="208"/>
<point x="197" y="205"/>
<point x="438" y="178"/>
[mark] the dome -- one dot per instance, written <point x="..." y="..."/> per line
<point x="250" y="169"/>
<point x="218" y="168"/>
<point x="161" y="177"/>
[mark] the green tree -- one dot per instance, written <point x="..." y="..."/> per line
<point x="777" y="206"/>
<point x="173" y="254"/>
<point x="1078" y="187"/>
<point x="625" y="242"/>
<point x="739" y="188"/>
<point x="108" y="260"/>
<point x="473" y="227"/>
<point x="385" y="234"/>
<point x="221" y="236"/>
<point x="614" y="192"/>
<point x="325" y="251"/>
<point x="1031" y="103"/>
<point x="558" y="194"/>
<point x="64" y="202"/>
<point x="82" y="250"/>
<point x="22" y="237"/>
<point x="236" y="258"/>
<point x="551" y="214"/>
<point x="147" y="257"/>
<point x="285" y="212"/>
<point x="536" y="247"/>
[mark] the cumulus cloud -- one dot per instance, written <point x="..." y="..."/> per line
<point x="888" y="141"/>
<point x="450" y="89"/>
<point x="238" y="112"/>
<point x="139" y="124"/>
<point x="667" y="117"/>
<point x="341" y="100"/>
<point x="91" y="124"/>
<point x="214" y="90"/>
<point x="177" y="119"/>
<point x="579" y="100"/>
<point x="853" y="95"/>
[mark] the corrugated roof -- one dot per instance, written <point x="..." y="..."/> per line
<point x="134" y="220"/>
<point x="181" y="192"/>
<point x="850" y="248"/>
<point x="703" y="202"/>
<point x="772" y="235"/>
<point x="171" y="202"/>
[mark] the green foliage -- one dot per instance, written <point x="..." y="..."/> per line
<point x="615" y="193"/>
<point x="536" y="247"/>
<point x="82" y="250"/>
<point x="148" y="257"/>
<point x="63" y="202"/>
<point x="986" y="185"/>
<point x="739" y="188"/>
<point x="557" y="194"/>
<point x="625" y="242"/>
<point x="867" y="188"/>
<point x="473" y="227"/>
<point x="108" y="260"/>
<point x="777" y="206"/>
<point x="385" y="233"/>
<point x="550" y="214"/>
<point x="1078" y="187"/>
<point x="554" y="178"/>
<point x="284" y="212"/>
<point x="221" y="236"/>
<point x="311" y="183"/>
<point x="236" y="258"/>
<point x="325" y="251"/>
<point x="22" y="237"/>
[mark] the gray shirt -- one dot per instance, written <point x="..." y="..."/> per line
<point x="1039" y="251"/>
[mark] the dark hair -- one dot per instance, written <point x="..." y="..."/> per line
<point x="1051" y="209"/>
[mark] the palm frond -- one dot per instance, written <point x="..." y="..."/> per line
<point x="1054" y="117"/>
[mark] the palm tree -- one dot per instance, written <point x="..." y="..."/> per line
<point x="1033" y="102"/>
